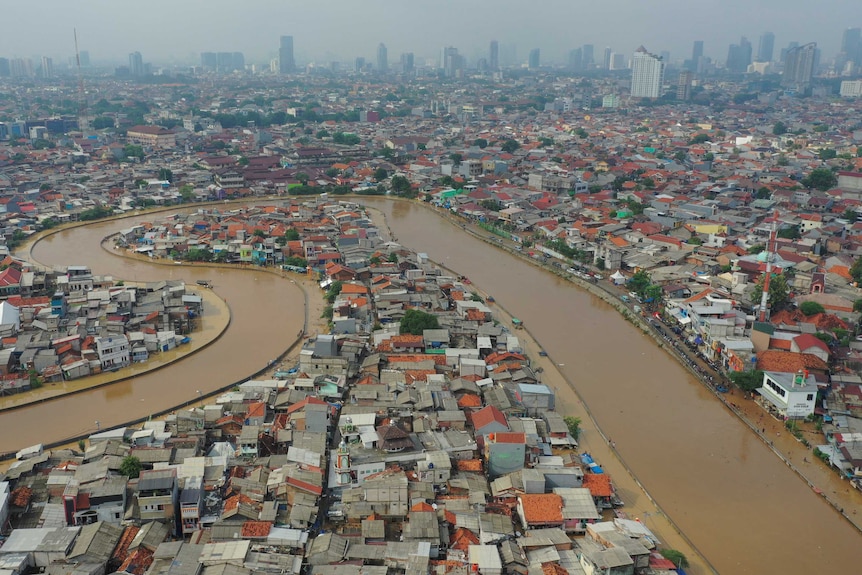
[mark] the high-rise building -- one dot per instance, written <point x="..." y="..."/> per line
<point x="587" y="55"/>
<point x="683" y="85"/>
<point x="382" y="58"/>
<point x="533" y="60"/>
<point x="606" y="58"/>
<point x="739" y="56"/>
<point x="209" y="60"/>
<point x="799" y="67"/>
<point x="851" y="45"/>
<point x="618" y="61"/>
<point x="453" y="62"/>
<point x="136" y="64"/>
<point x="765" y="47"/>
<point x="494" y="56"/>
<point x="576" y="60"/>
<point x="407" y="65"/>
<point x="697" y="51"/>
<point x="286" y="62"/>
<point x="783" y="56"/>
<point x="647" y="74"/>
<point x="5" y="69"/>
<point x="359" y="64"/>
<point x="47" y="67"/>
<point x="85" y="58"/>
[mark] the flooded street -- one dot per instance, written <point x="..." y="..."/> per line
<point x="267" y="313"/>
<point x="743" y="508"/>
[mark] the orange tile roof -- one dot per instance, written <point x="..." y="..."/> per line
<point x="789" y="362"/>
<point x="462" y="539"/>
<point x="542" y="507"/>
<point x="255" y="529"/>
<point x="599" y="484"/>
<point x="469" y="400"/>
<point x="469" y="465"/>
<point x="553" y="568"/>
<point x="422" y="506"/>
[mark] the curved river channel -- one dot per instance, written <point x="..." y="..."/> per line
<point x="743" y="508"/>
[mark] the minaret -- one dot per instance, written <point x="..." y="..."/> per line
<point x="342" y="464"/>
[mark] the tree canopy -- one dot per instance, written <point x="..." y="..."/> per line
<point x="509" y="146"/>
<point x="416" y="321"/>
<point x="131" y="466"/>
<point x="811" y="308"/>
<point x="820" y="178"/>
<point x="779" y="292"/>
<point x="747" y="380"/>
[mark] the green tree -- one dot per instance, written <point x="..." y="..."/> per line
<point x="131" y="467"/>
<point x="678" y="558"/>
<point x="416" y="321"/>
<point x="102" y="122"/>
<point x="332" y="172"/>
<point x="648" y="183"/>
<point x="756" y="249"/>
<point x="133" y="151"/>
<point x="480" y="143"/>
<point x="393" y="258"/>
<point x="763" y="193"/>
<point x="747" y="380"/>
<point x="708" y="157"/>
<point x="820" y="178"/>
<point x="856" y="270"/>
<point x="302" y="177"/>
<point x="574" y="425"/>
<point x="243" y="161"/>
<point x="639" y="282"/>
<point x="779" y="128"/>
<point x="166" y="175"/>
<point x="789" y="233"/>
<point x="291" y="234"/>
<point x="811" y="308"/>
<point x="400" y="185"/>
<point x="782" y="160"/>
<point x="653" y="294"/>
<point x="857" y="305"/>
<point x="333" y="291"/>
<point x="779" y="292"/>
<point x="827" y="154"/>
<point x="187" y="192"/>
<point x="699" y="139"/>
<point x="510" y="146"/>
<point x="456" y="158"/>
<point x="380" y="174"/>
<point x="680" y="156"/>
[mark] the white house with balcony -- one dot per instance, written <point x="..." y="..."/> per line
<point x="788" y="395"/>
<point x="113" y="351"/>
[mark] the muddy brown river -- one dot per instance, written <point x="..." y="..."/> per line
<point x="267" y="312"/>
<point x="734" y="499"/>
<point x="739" y="504"/>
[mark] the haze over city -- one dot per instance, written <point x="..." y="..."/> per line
<point x="176" y="32"/>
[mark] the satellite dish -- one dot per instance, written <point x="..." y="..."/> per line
<point x="430" y="466"/>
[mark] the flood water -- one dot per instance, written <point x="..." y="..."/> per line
<point x="267" y="312"/>
<point x="739" y="504"/>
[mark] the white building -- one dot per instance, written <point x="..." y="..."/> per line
<point x="647" y="74"/>
<point x="851" y="89"/>
<point x="790" y="395"/>
<point x="113" y="351"/>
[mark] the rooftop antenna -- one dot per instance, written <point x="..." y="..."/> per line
<point x="764" y="298"/>
<point x="82" y="98"/>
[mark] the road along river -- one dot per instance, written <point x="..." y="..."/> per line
<point x="267" y="312"/>
<point x="739" y="504"/>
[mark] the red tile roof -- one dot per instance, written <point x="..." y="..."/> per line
<point x="599" y="484"/>
<point x="255" y="529"/>
<point x="542" y="508"/>
<point x="488" y="415"/>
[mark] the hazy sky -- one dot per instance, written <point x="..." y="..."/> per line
<point x="325" y="30"/>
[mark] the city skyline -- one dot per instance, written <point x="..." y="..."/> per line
<point x="109" y="31"/>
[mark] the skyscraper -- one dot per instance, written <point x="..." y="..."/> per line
<point x="407" y="62"/>
<point x="576" y="60"/>
<point x="494" y="56"/>
<point x="851" y="45"/>
<point x="606" y="58"/>
<point x="697" y="51"/>
<point x="683" y="85"/>
<point x="765" y="47"/>
<point x="85" y="59"/>
<point x="382" y="58"/>
<point x="453" y="62"/>
<point x="136" y="64"/>
<point x="739" y="56"/>
<point x="286" y="63"/>
<point x="799" y="67"/>
<point x="47" y="67"/>
<point x="533" y="60"/>
<point x="587" y="57"/>
<point x="647" y="74"/>
<point x="5" y="69"/>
